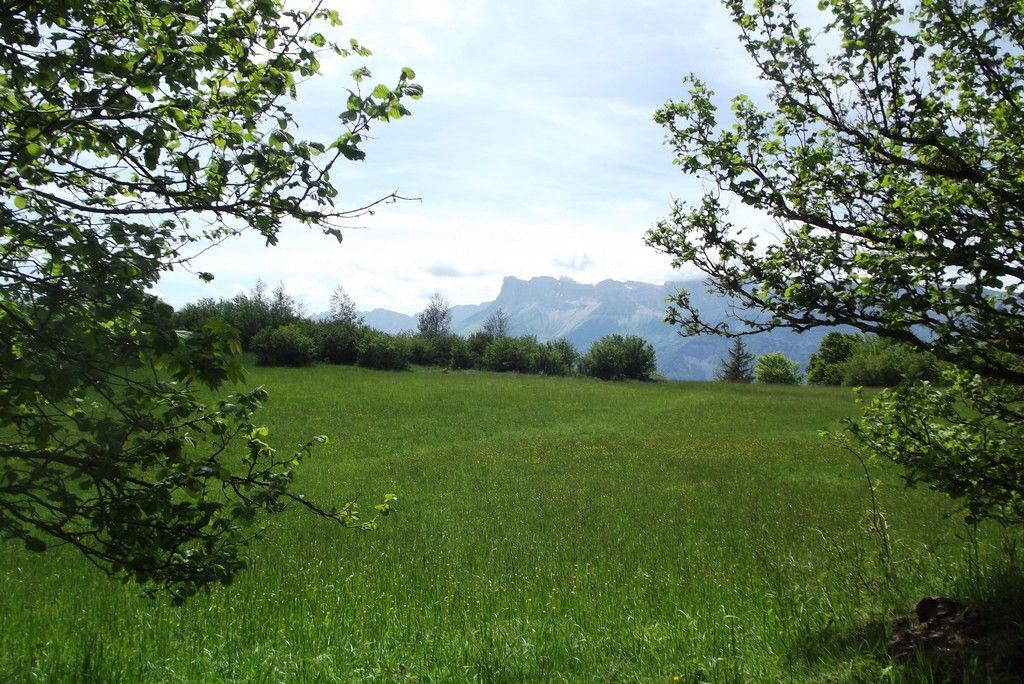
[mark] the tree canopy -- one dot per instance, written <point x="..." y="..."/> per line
<point x="343" y="307"/>
<point x="893" y="170"/>
<point x="775" y="368"/>
<point x="496" y="324"/>
<point x="436" y="319"/>
<point x="133" y="135"/>
<point x="889" y="154"/>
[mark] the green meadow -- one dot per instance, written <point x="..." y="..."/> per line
<point x="547" y="529"/>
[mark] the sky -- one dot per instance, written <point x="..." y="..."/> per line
<point x="533" y="151"/>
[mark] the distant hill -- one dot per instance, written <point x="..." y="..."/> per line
<point x="549" y="308"/>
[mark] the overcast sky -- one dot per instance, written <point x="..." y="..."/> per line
<point x="533" y="150"/>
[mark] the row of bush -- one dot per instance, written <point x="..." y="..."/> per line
<point x="842" y="359"/>
<point x="272" y="327"/>
<point x="304" y="342"/>
<point x="857" y="360"/>
<point x="247" y="312"/>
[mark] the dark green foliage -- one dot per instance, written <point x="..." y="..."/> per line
<point x="194" y="315"/>
<point x="478" y="343"/>
<point x="134" y="133"/>
<point x="880" y="362"/>
<point x="287" y="345"/>
<point x="858" y="361"/>
<point x="434" y="350"/>
<point x="338" y="341"/>
<point x="384" y="352"/>
<point x="461" y="355"/>
<point x="422" y="351"/>
<point x="738" y="366"/>
<point x="443" y="346"/>
<point x="615" y="357"/>
<point x="825" y="366"/>
<point x="889" y="152"/>
<point x="558" y="357"/>
<point x="512" y="354"/>
<point x="775" y="369"/>
<point x="248" y="313"/>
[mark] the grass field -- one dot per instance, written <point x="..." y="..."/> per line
<point x="548" y="529"/>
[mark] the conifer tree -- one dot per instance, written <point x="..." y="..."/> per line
<point x="738" y="366"/>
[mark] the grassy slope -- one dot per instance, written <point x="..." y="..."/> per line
<point x="548" y="529"/>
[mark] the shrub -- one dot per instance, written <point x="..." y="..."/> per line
<point x="287" y="345"/>
<point x="421" y="351"/>
<point x="825" y="366"/>
<point x="193" y="315"/>
<point x="615" y="357"/>
<point x="462" y="357"/>
<point x="886" y="363"/>
<point x="856" y="360"/>
<point x="435" y="350"/>
<point x="248" y="313"/>
<point x="512" y="354"/>
<point x="776" y="369"/>
<point x="558" y="357"/>
<point x="339" y="342"/>
<point x="478" y="343"/>
<point x="384" y="352"/>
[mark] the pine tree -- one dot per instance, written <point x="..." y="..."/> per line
<point x="738" y="366"/>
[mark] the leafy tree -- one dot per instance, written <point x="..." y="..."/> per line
<point x="825" y="366"/>
<point x="615" y="357"/>
<point x="892" y="167"/>
<point x="134" y="134"/>
<point x="738" y="366"/>
<point x="776" y="369"/>
<point x="971" y="455"/>
<point x="343" y="307"/>
<point x="436" y="319"/>
<point x="496" y="324"/>
<point x="284" y="305"/>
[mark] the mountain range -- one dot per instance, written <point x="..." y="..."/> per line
<point x="549" y="308"/>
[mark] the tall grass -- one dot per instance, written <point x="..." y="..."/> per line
<point x="548" y="529"/>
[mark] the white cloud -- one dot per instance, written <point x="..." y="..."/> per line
<point x="433" y="11"/>
<point x="533" y="150"/>
<point x="415" y="40"/>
